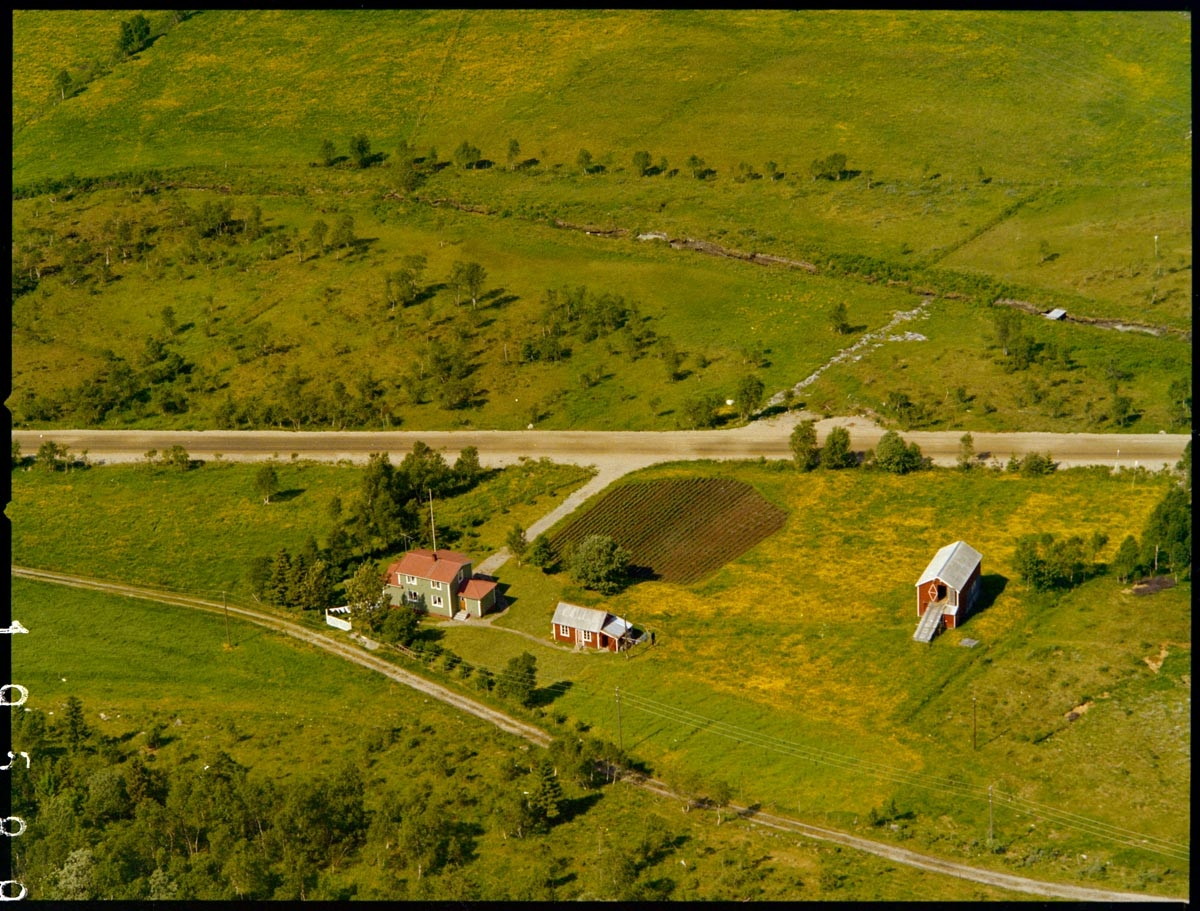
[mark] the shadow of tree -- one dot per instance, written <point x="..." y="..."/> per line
<point x="498" y="297"/>
<point x="545" y="695"/>
<point x="572" y="807"/>
<point x="640" y="574"/>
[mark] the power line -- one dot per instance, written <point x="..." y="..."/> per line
<point x="843" y="762"/>
<point x="831" y="759"/>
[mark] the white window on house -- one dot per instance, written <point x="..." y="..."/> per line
<point x="412" y="596"/>
<point x="437" y="601"/>
<point x="587" y="636"/>
<point x="564" y="630"/>
<point x="412" y="580"/>
<point x="436" y="586"/>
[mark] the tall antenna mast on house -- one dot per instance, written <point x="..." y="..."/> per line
<point x="432" y="525"/>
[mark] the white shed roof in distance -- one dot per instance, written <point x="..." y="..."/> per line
<point x="953" y="564"/>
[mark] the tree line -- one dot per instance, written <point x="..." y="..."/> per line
<point x="1046" y="562"/>
<point x="390" y="512"/>
<point x="892" y="454"/>
<point x="413" y="166"/>
<point x="108" y="817"/>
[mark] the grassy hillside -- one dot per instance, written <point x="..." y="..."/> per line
<point x="1029" y="96"/>
<point x="1044" y="157"/>
<point x="257" y="703"/>
<point x="796" y="660"/>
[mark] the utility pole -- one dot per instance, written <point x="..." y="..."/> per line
<point x="620" y="732"/>
<point x="974" y="727"/>
<point x="225" y="607"/>
<point x="989" y="816"/>
<point x="432" y="525"/>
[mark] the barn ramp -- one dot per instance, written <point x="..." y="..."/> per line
<point x="929" y="624"/>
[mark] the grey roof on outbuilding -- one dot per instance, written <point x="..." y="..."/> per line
<point x="590" y="619"/>
<point x="615" y="627"/>
<point x="953" y="564"/>
<point x="576" y="617"/>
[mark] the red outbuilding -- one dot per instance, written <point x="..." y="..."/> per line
<point x="588" y="627"/>
<point x="948" y="589"/>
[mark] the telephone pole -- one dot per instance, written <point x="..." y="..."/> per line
<point x="432" y="524"/>
<point x="989" y="816"/>
<point x="620" y="732"/>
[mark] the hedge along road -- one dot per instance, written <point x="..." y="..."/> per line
<point x="540" y="738"/>
<point x="610" y="451"/>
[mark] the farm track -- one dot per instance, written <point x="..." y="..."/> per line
<point x="922" y="861"/>
<point x="295" y="630"/>
<point x="541" y="738"/>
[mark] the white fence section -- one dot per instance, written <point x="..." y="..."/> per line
<point x="339" y="617"/>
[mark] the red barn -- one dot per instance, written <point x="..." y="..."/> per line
<point x="588" y="627"/>
<point x="948" y="589"/>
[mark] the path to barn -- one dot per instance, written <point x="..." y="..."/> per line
<point x="486" y="622"/>
<point x="613" y="469"/>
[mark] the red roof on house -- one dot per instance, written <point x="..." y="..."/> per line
<point x="438" y="565"/>
<point x="477" y="589"/>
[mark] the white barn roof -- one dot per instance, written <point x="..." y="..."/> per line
<point x="953" y="564"/>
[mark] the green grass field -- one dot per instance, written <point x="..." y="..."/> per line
<point x="141" y="665"/>
<point x="149" y="526"/>
<point x="1045" y="156"/>
<point x="436" y="78"/>
<point x="796" y="660"/>
<point x="1039" y="156"/>
<point x="804" y="646"/>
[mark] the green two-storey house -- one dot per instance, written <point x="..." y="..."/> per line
<point x="439" y="582"/>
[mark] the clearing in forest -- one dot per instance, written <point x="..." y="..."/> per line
<point x="680" y="529"/>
